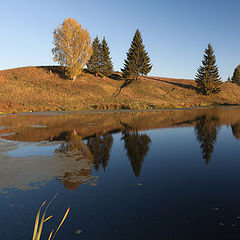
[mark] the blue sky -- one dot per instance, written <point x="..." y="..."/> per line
<point x="175" y="33"/>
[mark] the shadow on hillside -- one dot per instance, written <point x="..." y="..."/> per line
<point x="116" y="76"/>
<point x="58" y="70"/>
<point x="186" y="86"/>
<point x="225" y="104"/>
<point x="125" y="84"/>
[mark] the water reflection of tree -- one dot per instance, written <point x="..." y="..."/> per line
<point x="137" y="146"/>
<point x="206" y="131"/>
<point x="236" y="130"/>
<point x="100" y="148"/>
<point x="75" y="147"/>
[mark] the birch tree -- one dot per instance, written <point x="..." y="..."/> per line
<point x="72" y="47"/>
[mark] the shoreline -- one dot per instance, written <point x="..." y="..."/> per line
<point x="115" y="111"/>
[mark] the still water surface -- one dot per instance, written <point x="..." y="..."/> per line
<point x="142" y="175"/>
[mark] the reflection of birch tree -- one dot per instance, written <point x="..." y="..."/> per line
<point x="206" y="131"/>
<point x="74" y="144"/>
<point x="75" y="147"/>
<point x="100" y="148"/>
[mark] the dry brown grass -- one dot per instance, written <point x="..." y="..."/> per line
<point x="36" y="89"/>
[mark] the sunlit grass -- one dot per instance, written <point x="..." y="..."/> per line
<point x="33" y="89"/>
<point x="40" y="220"/>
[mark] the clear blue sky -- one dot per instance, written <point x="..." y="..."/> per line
<point x="175" y="32"/>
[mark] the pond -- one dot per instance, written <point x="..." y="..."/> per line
<point x="171" y="174"/>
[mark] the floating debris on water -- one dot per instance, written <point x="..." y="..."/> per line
<point x="78" y="231"/>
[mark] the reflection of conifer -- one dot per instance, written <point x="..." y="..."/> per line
<point x="206" y="131"/>
<point x="236" y="130"/>
<point x="137" y="146"/>
<point x="100" y="148"/>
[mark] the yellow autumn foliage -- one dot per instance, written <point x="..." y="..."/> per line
<point x="72" y="47"/>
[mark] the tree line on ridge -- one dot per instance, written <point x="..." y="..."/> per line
<point x="73" y="50"/>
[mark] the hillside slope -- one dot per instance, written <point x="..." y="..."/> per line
<point x="46" y="89"/>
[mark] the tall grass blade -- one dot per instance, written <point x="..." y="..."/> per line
<point x="64" y="217"/>
<point x="50" y="235"/>
<point x="47" y="218"/>
<point x="37" y="221"/>
<point x="40" y="227"/>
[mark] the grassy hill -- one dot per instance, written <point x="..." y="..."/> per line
<point x="46" y="89"/>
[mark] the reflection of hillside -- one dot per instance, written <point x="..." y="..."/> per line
<point x="236" y="130"/>
<point x="87" y="125"/>
<point x="206" y="129"/>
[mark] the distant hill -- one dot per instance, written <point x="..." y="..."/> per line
<point x="46" y="89"/>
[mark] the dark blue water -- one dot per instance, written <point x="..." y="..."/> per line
<point x="176" y="182"/>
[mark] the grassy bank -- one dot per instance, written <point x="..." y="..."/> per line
<point x="46" y="89"/>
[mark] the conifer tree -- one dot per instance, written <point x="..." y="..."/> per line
<point x="94" y="63"/>
<point x="138" y="61"/>
<point x="106" y="61"/>
<point x="236" y="75"/>
<point x="207" y="77"/>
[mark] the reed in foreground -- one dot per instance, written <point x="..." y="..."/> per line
<point x="39" y="221"/>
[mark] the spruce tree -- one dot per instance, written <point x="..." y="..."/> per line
<point x="236" y="75"/>
<point x="207" y="77"/>
<point x="106" y="61"/>
<point x="138" y="61"/>
<point x="94" y="63"/>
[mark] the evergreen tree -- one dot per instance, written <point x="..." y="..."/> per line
<point x="236" y="75"/>
<point x="138" y="61"/>
<point x="94" y="63"/>
<point x="106" y="61"/>
<point x="207" y="77"/>
<point x="228" y="79"/>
